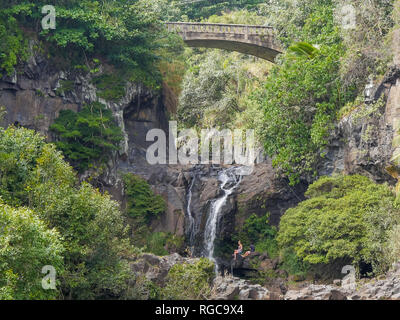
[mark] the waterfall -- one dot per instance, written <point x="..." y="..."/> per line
<point x="230" y="178"/>
<point x="191" y="227"/>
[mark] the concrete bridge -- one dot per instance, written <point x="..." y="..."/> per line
<point x="258" y="41"/>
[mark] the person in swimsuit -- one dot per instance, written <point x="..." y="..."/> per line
<point x="252" y="249"/>
<point x="239" y="249"/>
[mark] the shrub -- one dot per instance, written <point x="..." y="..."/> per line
<point x="26" y="246"/>
<point x="65" y="87"/>
<point x="19" y="150"/>
<point x="142" y="203"/>
<point x="161" y="243"/>
<point x="394" y="245"/>
<point x="94" y="233"/>
<point x="292" y="264"/>
<point x="88" y="135"/>
<point x="145" y="289"/>
<point x="13" y="46"/>
<point x="189" y="281"/>
<point x="155" y="243"/>
<point x="345" y="217"/>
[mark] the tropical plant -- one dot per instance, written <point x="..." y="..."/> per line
<point x="143" y="204"/>
<point x="26" y="246"/>
<point x="91" y="225"/>
<point x="189" y="281"/>
<point x="88" y="135"/>
<point x="346" y="218"/>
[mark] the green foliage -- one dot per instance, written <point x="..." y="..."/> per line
<point x="216" y="86"/>
<point x="26" y="246"/>
<point x="128" y="34"/>
<point x="93" y="231"/>
<point x="302" y="95"/>
<point x="303" y="20"/>
<point x="88" y="135"/>
<point x="156" y="242"/>
<point x="145" y="289"/>
<point x="345" y="217"/>
<point x="393" y="250"/>
<point x="206" y="90"/>
<point x="368" y="46"/>
<point x="292" y="264"/>
<point x="19" y="150"/>
<point x="95" y="235"/>
<point x="303" y="49"/>
<point x="257" y="231"/>
<point x="300" y="101"/>
<point x="110" y="87"/>
<point x="162" y="243"/>
<point x="189" y="281"/>
<point x="198" y="10"/>
<point x="13" y="45"/>
<point x="237" y="17"/>
<point x="142" y="203"/>
<point x="3" y="113"/>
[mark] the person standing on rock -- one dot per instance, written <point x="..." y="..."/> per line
<point x="239" y="250"/>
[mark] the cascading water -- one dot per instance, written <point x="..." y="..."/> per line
<point x="191" y="227"/>
<point x="230" y="178"/>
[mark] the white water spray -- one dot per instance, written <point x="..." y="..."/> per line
<point x="230" y="180"/>
<point x="191" y="227"/>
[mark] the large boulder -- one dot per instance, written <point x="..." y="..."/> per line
<point x="316" y="292"/>
<point x="386" y="288"/>
<point x="232" y="288"/>
<point x="156" y="268"/>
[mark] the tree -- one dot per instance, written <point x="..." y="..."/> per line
<point x="189" y="281"/>
<point x="88" y="135"/>
<point x="303" y="92"/>
<point x="93" y="230"/>
<point x="26" y="246"/>
<point x="345" y="217"/>
<point x="128" y="34"/>
<point x="142" y="204"/>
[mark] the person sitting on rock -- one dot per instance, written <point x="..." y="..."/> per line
<point x="247" y="253"/>
<point x="239" y="249"/>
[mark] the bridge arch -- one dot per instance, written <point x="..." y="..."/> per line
<point x="258" y="41"/>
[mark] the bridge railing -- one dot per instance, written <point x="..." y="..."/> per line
<point x="182" y="27"/>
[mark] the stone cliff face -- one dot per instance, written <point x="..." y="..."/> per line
<point x="364" y="141"/>
<point x="34" y="95"/>
<point x="367" y="140"/>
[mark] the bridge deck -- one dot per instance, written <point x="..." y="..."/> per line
<point x="219" y="28"/>
<point x="255" y="40"/>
